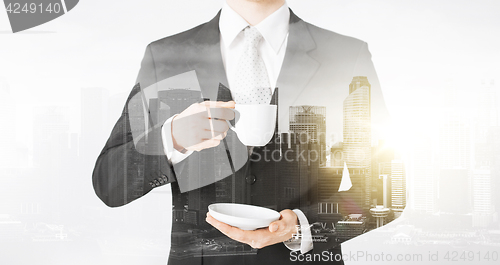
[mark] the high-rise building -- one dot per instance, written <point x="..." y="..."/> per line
<point x="296" y="175"/>
<point x="455" y="153"/>
<point x="310" y="120"/>
<point x="357" y="123"/>
<point x="382" y="156"/>
<point x="424" y="185"/>
<point x="482" y="199"/>
<point x="455" y="165"/>
<point x="486" y="122"/>
<point x="357" y="129"/>
<point x="383" y="185"/>
<point x="398" y="187"/>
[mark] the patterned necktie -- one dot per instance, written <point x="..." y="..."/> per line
<point x="252" y="84"/>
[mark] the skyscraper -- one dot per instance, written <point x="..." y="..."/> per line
<point x="483" y="209"/>
<point x="384" y="184"/>
<point x="486" y="122"/>
<point x="357" y="123"/>
<point x="455" y="159"/>
<point x="398" y="187"/>
<point x="424" y="188"/>
<point x="310" y="120"/>
<point x="357" y="129"/>
<point x="382" y="156"/>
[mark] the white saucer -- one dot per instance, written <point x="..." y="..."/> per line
<point x="243" y="216"/>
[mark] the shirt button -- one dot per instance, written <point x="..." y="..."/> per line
<point x="251" y="179"/>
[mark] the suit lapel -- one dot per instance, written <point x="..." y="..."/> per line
<point x="206" y="59"/>
<point x="297" y="69"/>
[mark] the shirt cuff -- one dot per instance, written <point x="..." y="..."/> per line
<point x="172" y="154"/>
<point x="304" y="241"/>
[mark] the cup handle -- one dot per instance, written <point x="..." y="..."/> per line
<point x="229" y="124"/>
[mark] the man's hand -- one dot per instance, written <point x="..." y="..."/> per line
<point x="201" y="125"/>
<point x="278" y="231"/>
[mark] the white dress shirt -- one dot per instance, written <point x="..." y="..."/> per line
<point x="274" y="30"/>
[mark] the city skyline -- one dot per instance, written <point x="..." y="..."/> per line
<point x="38" y="210"/>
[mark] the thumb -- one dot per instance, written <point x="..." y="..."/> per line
<point x="275" y="226"/>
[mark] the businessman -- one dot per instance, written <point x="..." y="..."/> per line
<point x="251" y="52"/>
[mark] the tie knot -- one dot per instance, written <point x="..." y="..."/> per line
<point x="252" y="36"/>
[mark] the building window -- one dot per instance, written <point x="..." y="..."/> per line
<point x="289" y="192"/>
<point x="328" y="208"/>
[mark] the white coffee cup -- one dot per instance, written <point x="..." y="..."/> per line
<point x="255" y="124"/>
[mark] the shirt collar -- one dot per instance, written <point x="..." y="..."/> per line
<point x="274" y="28"/>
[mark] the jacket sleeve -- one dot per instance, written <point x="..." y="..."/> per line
<point x="123" y="173"/>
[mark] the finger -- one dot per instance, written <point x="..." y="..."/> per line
<point x="215" y="140"/>
<point x="226" y="229"/>
<point x="206" y="124"/>
<point x="221" y="113"/>
<point x="205" y="135"/>
<point x="287" y="217"/>
<point x="208" y="135"/>
<point x="219" y="104"/>
<point x="215" y="125"/>
<point x="211" y="143"/>
<point x="230" y="231"/>
<point x="220" y="126"/>
<point x="290" y="216"/>
<point x="218" y="136"/>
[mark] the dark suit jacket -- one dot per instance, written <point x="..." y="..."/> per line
<point x="317" y="70"/>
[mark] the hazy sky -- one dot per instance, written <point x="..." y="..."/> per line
<point x="418" y="47"/>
